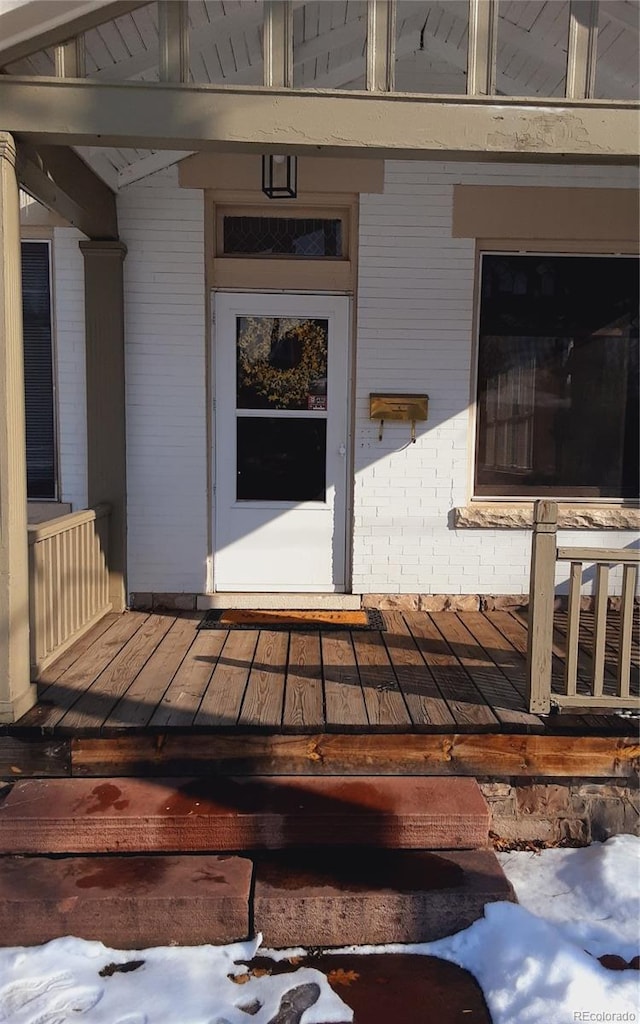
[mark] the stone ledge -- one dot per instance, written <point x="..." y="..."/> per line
<point x="506" y="516"/>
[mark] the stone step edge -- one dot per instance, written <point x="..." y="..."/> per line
<point x="140" y="815"/>
<point x="132" y="902"/>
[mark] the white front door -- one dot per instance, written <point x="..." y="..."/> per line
<point x="281" y="387"/>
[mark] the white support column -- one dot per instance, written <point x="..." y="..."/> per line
<point x="173" y="30"/>
<point x="481" y="55"/>
<point x="583" y="45"/>
<point x="381" y="45"/>
<point x="17" y="694"/>
<point x="69" y="58"/>
<point x="278" y="44"/>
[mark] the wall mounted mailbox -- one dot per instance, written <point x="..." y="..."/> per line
<point x="408" y="408"/>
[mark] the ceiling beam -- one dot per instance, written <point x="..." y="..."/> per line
<point x="70" y="58"/>
<point x="482" y="49"/>
<point x="181" y="117"/>
<point x="582" y="52"/>
<point x="42" y="23"/>
<point x="381" y="45"/>
<point x="173" y="42"/>
<point x="60" y="180"/>
<point x="278" y="44"/>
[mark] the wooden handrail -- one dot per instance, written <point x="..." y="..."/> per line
<point x="600" y="556"/>
<point x="52" y="527"/>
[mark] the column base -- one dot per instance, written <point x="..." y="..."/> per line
<point x="12" y="710"/>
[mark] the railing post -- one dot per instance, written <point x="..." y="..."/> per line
<point x="541" y="600"/>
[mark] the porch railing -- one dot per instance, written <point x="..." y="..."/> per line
<point x="68" y="581"/>
<point x="544" y="557"/>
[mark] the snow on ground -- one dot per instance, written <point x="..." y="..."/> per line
<point x="536" y="962"/>
<point x="592" y="895"/>
<point x="59" y="982"/>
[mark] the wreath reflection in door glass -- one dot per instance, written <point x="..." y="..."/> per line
<point x="281" y="363"/>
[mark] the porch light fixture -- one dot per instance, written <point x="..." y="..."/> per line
<point x="280" y="177"/>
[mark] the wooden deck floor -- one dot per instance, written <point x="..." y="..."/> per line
<point x="426" y="673"/>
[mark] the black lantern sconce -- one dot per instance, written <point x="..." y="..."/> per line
<point x="280" y="177"/>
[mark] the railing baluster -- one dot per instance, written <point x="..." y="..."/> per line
<point x="629" y="576"/>
<point x="68" y="581"/>
<point x="573" y="630"/>
<point x="600" y="629"/>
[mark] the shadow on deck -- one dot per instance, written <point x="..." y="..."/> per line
<point x="433" y="693"/>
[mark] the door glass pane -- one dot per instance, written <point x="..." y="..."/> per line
<point x="281" y="363"/>
<point x="281" y="459"/>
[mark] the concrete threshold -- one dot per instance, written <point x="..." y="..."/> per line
<point x="292" y="602"/>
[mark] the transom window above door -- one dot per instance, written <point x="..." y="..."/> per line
<point x="557" y="393"/>
<point x="292" y="237"/>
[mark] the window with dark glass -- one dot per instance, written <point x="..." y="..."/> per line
<point x="38" y="371"/>
<point x="296" y="237"/>
<point x="557" y="397"/>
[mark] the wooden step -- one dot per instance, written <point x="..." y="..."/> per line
<point x="125" y="902"/>
<point x="344" y="897"/>
<point x="145" y="815"/>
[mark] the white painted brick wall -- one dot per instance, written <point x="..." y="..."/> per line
<point x="415" y="313"/>
<point x="163" y="228"/>
<point x="68" y="312"/>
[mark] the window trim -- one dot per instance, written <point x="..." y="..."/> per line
<point x="268" y="273"/>
<point x="548" y="247"/>
<point x="42" y="236"/>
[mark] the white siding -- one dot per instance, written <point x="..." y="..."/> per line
<point x="415" y="321"/>
<point x="163" y="228"/>
<point x="68" y="311"/>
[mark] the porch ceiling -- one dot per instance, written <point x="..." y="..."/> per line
<point x="329" y="53"/>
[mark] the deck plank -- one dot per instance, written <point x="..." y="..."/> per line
<point x="74" y="683"/>
<point x="53" y="671"/>
<point x="179" y="705"/>
<point x="448" y="673"/>
<point x="303" y="703"/>
<point x="496" y="688"/>
<point x="98" y="702"/>
<point x="345" y="708"/>
<point x="466" y="703"/>
<point x="428" y="708"/>
<point x="138" y="704"/>
<point x="512" y="661"/>
<point x="386" y="707"/>
<point x="223" y="697"/>
<point x="515" y="630"/>
<point x="264" y="697"/>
